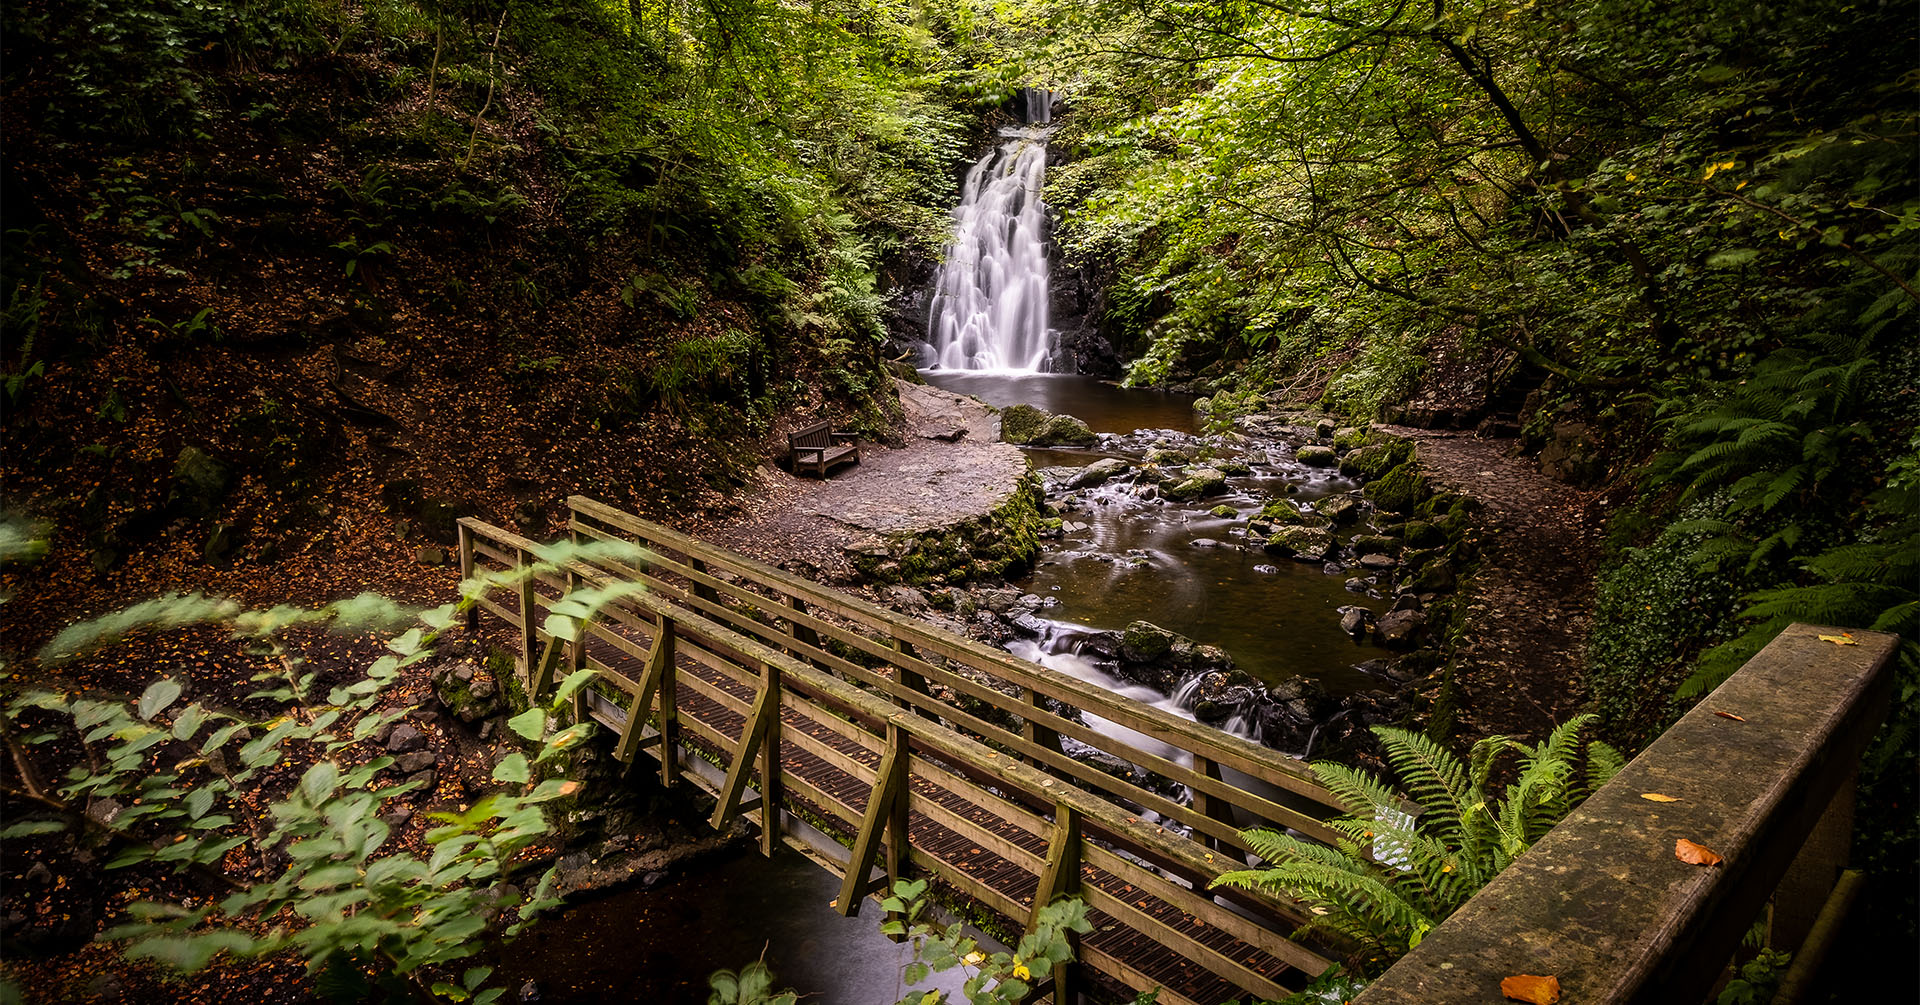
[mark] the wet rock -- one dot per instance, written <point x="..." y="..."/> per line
<point x="999" y="599"/>
<point x="1402" y="629"/>
<point x="1434" y="577"/>
<point x="1355" y="621"/>
<point x="404" y="739"/>
<point x="1315" y="456"/>
<point x="1358" y="584"/>
<point x="1266" y="570"/>
<point x="1406" y="602"/>
<point x="1309" y="544"/>
<point x="1374" y="544"/>
<point x="1340" y="509"/>
<point x="105" y="811"/>
<point x="1371" y="461"/>
<point x="1198" y="483"/>
<point x="1029" y="625"/>
<point x="1224" y="512"/>
<point x="1204" y="542"/>
<point x="1025" y="424"/>
<point x="482" y="686"/>
<point x="1324" y="428"/>
<point x="1235" y="468"/>
<point x="1377" y="562"/>
<point x="1167" y="457"/>
<point x="1099" y="472"/>
<point x="1146" y="642"/>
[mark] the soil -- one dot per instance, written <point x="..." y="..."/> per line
<point x="1522" y="649"/>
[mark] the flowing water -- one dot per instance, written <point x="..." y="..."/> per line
<point x="990" y="295"/>
<point x="1177" y="564"/>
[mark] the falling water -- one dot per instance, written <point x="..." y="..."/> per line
<point x="990" y="297"/>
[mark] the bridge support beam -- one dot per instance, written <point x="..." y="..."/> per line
<point x="658" y="677"/>
<point x="759" y="743"/>
<point x="885" y="816"/>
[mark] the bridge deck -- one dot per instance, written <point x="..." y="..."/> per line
<point x="874" y="775"/>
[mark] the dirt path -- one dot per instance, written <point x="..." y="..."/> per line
<point x="1522" y="666"/>
<point x="951" y="468"/>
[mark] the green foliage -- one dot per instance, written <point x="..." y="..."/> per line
<point x="189" y="774"/>
<point x="998" y="978"/>
<point x="752" y="985"/>
<point x="1758" y="980"/>
<point x="1397" y="871"/>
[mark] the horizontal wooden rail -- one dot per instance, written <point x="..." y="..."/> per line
<point x="792" y="615"/>
<point x="796" y="742"/>
<point x="1603" y="904"/>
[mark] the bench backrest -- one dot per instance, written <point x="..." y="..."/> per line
<point x="820" y="434"/>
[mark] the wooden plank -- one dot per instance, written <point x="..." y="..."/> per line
<point x="1200" y="904"/>
<point x="657" y="662"/>
<point x="1129" y="975"/>
<point x="1183" y="945"/>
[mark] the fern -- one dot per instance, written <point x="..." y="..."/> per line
<point x="1396" y="872"/>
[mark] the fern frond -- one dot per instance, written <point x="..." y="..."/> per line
<point x="1434" y="777"/>
<point x="1358" y="792"/>
<point x="1603" y="762"/>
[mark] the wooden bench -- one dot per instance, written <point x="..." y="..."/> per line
<point x="818" y="448"/>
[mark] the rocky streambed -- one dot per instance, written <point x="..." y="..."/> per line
<point x="1279" y="576"/>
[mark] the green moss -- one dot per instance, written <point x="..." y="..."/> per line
<point x="1278" y="511"/>
<point x="1376" y="459"/>
<point x="1003" y="544"/>
<point x="1399" y="490"/>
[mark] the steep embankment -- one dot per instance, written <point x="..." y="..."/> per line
<point x="291" y="288"/>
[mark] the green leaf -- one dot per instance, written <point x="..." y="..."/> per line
<point x="1731" y="258"/>
<point x="474" y="975"/>
<point x="513" y="768"/>
<point x="28" y="828"/>
<point x="158" y="696"/>
<point x="320" y="781"/>
<point x="198" y="802"/>
<point x="531" y="724"/>
<point x="188" y="722"/>
<point x="191" y="953"/>
<point x="574" y="682"/>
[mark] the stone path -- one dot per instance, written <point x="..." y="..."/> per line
<point x="1522" y="667"/>
<point x="951" y="468"/>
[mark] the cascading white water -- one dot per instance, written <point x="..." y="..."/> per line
<point x="990" y="297"/>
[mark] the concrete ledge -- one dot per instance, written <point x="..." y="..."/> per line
<point x="1602" y="903"/>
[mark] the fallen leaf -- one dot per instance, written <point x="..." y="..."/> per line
<point x="1730" y="715"/>
<point x="1695" y="854"/>
<point x="1529" y="988"/>
<point x="1839" y="640"/>
<point x="1659" y="797"/>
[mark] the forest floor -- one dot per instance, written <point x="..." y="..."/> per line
<point x="950" y="468"/>
<point x="1522" y="649"/>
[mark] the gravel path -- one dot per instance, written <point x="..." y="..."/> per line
<point x="951" y="468"/>
<point x="1522" y="666"/>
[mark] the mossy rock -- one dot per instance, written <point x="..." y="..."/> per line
<point x="1278" y="511"/>
<point x="1311" y="544"/>
<point x="1434" y="577"/>
<point x="1199" y="482"/>
<point x="1351" y="437"/>
<point x="1020" y="423"/>
<point x="1146" y="642"/>
<point x="1375" y="460"/>
<point x="1399" y="490"/>
<point x="1224" y="511"/>
<point x="1316" y="456"/>
<point x="1424" y="534"/>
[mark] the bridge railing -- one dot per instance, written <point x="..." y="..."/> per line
<point x="822" y="754"/>
<point x="1233" y="783"/>
<point x="1761" y="772"/>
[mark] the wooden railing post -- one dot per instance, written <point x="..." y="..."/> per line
<point x="702" y="590"/>
<point x="529" y="611"/>
<point x="1032" y="731"/>
<point x="1215" y="808"/>
<point x="669" y="706"/>
<point x="770" y="765"/>
<point x="466" y="573"/>
<point x="1061" y="878"/>
<point x="801" y="634"/>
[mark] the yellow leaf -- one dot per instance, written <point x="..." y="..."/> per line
<point x="1693" y="853"/>
<point x="1531" y="988"/>
<point x="1020" y="970"/>
<point x="1839" y="640"/>
<point x="1659" y="797"/>
<point x="974" y="958"/>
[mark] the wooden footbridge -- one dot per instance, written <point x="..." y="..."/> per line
<point x="882" y="748"/>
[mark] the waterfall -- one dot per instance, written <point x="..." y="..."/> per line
<point x="990" y="297"/>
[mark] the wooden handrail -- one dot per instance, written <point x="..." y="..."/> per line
<point x="900" y="739"/>
<point x="1603" y="904"/>
<point x="1236" y="752"/>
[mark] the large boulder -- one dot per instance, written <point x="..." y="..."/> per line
<point x="1099" y="472"/>
<point x="1340" y="509"/>
<point x="1402" y="629"/>
<point x="1308" y="544"/>
<point x="1027" y="425"/>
